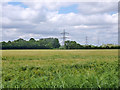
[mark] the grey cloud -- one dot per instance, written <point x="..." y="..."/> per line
<point x="39" y="22"/>
<point x="97" y="7"/>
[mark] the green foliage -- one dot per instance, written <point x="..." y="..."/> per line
<point x="60" y="69"/>
<point x="72" y="45"/>
<point x="75" y="45"/>
<point x="50" y="43"/>
<point x="47" y="43"/>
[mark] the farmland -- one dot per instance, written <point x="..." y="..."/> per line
<point x="60" y="68"/>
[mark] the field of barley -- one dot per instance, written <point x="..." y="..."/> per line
<point x="60" y="68"/>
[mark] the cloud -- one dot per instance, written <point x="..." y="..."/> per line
<point x="42" y="19"/>
<point x="98" y="7"/>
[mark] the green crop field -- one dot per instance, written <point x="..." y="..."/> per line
<point x="60" y="68"/>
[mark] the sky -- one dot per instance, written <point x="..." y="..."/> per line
<point x="96" y="20"/>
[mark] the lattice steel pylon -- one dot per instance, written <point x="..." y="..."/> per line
<point x="86" y="40"/>
<point x="64" y="36"/>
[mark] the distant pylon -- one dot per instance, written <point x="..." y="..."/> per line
<point x="98" y="41"/>
<point x="64" y="36"/>
<point x="86" y="38"/>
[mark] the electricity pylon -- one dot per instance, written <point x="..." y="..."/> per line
<point x="64" y="36"/>
<point x="86" y="40"/>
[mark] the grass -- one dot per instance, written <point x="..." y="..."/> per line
<point x="60" y="68"/>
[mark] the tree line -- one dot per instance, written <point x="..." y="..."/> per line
<point x="50" y="43"/>
<point x="74" y="45"/>
<point x="47" y="43"/>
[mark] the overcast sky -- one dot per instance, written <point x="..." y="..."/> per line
<point x="97" y="20"/>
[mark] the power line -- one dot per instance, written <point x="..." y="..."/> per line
<point x="64" y="36"/>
